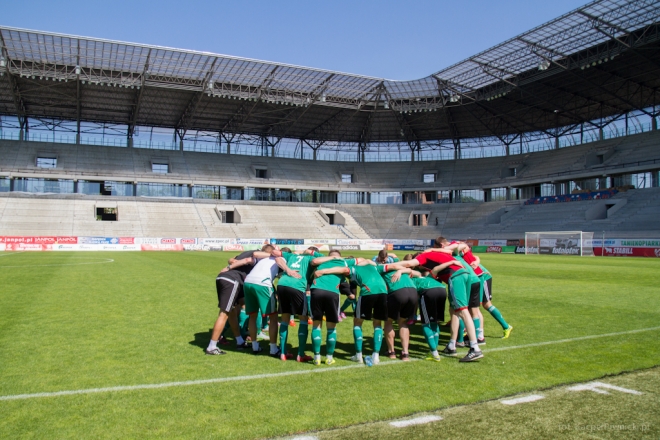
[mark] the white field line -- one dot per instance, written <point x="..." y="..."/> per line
<point x="562" y="341"/>
<point x="525" y="399"/>
<point x="305" y="437"/>
<point x="105" y="260"/>
<point x="12" y="253"/>
<point x="286" y="373"/>
<point x="415" y="421"/>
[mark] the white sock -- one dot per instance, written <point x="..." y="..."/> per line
<point x="358" y="356"/>
<point x="375" y="355"/>
<point x="213" y="344"/>
<point x="452" y="344"/>
<point x="273" y="348"/>
<point x="255" y="345"/>
<point x="435" y="353"/>
<point x="474" y="346"/>
<point x="240" y="340"/>
<point x="317" y="357"/>
<point x="481" y="333"/>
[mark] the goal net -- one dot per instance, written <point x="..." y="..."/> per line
<point x="559" y="243"/>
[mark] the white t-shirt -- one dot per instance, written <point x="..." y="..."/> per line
<point x="263" y="273"/>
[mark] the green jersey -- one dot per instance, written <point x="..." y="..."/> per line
<point x="404" y="280"/>
<point x="301" y="264"/>
<point x="473" y="278"/>
<point x="369" y="280"/>
<point x="330" y="282"/>
<point x="426" y="283"/>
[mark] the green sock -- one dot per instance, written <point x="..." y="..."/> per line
<point x="284" y="334"/>
<point x="309" y="304"/>
<point x="436" y="332"/>
<point x="357" y="335"/>
<point x="477" y="324"/>
<point x="330" y="342"/>
<point x="354" y="304"/>
<point x="461" y="330"/>
<point x="316" y="340"/>
<point x="303" y="331"/>
<point x="378" y="339"/>
<point x="495" y="313"/>
<point x="430" y="338"/>
<point x="347" y="303"/>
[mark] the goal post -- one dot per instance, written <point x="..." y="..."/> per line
<point x="559" y="243"/>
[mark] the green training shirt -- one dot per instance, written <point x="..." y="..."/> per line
<point x="301" y="264"/>
<point x="426" y="283"/>
<point x="329" y="282"/>
<point x="369" y="280"/>
<point x="403" y="282"/>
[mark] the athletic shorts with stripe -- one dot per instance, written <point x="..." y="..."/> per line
<point x="229" y="292"/>
<point x="372" y="307"/>
<point x="475" y="294"/>
<point x="458" y="291"/>
<point x="488" y="290"/>
<point x="432" y="305"/>
<point x="292" y="301"/>
<point x="325" y="302"/>
<point x="259" y="297"/>
<point x="402" y="303"/>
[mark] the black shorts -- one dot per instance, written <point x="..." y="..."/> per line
<point x="345" y="288"/>
<point x="402" y="303"/>
<point x="475" y="295"/>
<point x="229" y="292"/>
<point x="372" y="307"/>
<point x="325" y="302"/>
<point x="292" y="301"/>
<point x="432" y="305"/>
<point x="488" y="290"/>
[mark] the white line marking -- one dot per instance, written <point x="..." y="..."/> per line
<point x="12" y="253"/>
<point x="595" y="387"/>
<point x="305" y="437"/>
<point x="286" y="373"/>
<point x="526" y="399"/>
<point x="415" y="421"/>
<point x="562" y="341"/>
<point x="105" y="260"/>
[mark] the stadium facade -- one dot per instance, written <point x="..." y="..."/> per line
<point x="568" y="107"/>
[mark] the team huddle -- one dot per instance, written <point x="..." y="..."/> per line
<point x="384" y="290"/>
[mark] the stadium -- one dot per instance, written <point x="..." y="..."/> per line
<point x="542" y="154"/>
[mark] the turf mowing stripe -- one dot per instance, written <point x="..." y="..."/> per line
<point x="415" y="421"/>
<point x="288" y="373"/>
<point x="105" y="260"/>
<point x="13" y="253"/>
<point x="526" y="399"/>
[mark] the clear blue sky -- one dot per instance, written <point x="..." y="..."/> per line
<point x="390" y="39"/>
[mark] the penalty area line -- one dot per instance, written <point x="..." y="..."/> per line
<point x="287" y="373"/>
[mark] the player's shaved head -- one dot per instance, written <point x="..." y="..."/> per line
<point x="335" y="252"/>
<point x="440" y="242"/>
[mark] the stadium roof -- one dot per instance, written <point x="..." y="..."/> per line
<point x="595" y="62"/>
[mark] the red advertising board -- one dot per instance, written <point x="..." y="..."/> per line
<point x="126" y="240"/>
<point x="162" y="247"/>
<point x="28" y="247"/>
<point x="619" y="251"/>
<point x="232" y="247"/>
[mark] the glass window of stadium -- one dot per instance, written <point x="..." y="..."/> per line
<point x="209" y="192"/>
<point x="470" y="196"/>
<point x="498" y="194"/>
<point x="429" y="178"/>
<point x="5" y="184"/>
<point x="47" y="162"/>
<point x="347" y="178"/>
<point x="59" y="186"/>
<point x="161" y="190"/>
<point x="105" y="188"/>
<point x="386" y="198"/>
<point x="161" y="168"/>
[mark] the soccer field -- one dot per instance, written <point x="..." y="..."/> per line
<point x="110" y="345"/>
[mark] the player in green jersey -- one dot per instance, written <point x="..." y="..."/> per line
<point x="293" y="300"/>
<point x="432" y="297"/>
<point x="401" y="304"/>
<point x="325" y="302"/>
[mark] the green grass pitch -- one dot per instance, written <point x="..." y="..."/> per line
<point x="82" y="321"/>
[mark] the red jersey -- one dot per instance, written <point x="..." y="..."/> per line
<point x="469" y="259"/>
<point x="429" y="260"/>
